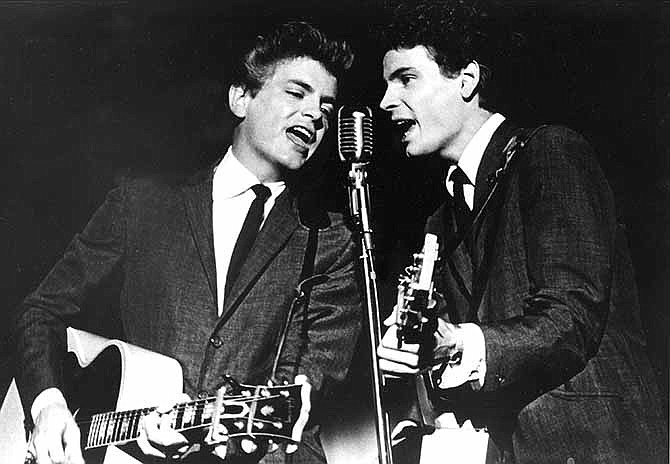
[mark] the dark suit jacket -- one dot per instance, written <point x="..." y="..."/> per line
<point x="547" y="274"/>
<point x="157" y="237"/>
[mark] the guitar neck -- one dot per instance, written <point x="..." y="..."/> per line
<point x="115" y="428"/>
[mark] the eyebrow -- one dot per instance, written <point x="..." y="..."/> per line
<point x="326" y="98"/>
<point x="396" y="73"/>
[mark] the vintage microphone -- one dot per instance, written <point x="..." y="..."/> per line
<point x="354" y="143"/>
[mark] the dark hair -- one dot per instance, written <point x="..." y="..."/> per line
<point x="290" y="40"/>
<point x="454" y="32"/>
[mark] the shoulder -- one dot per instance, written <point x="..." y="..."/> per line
<point x="551" y="141"/>
<point x="557" y="149"/>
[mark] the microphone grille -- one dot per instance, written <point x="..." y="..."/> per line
<point x="354" y="134"/>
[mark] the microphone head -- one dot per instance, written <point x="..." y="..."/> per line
<point x="354" y="133"/>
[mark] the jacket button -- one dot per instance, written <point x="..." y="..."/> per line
<point x="500" y="379"/>
<point x="215" y="341"/>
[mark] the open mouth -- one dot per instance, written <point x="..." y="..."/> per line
<point x="404" y="126"/>
<point x="301" y="135"/>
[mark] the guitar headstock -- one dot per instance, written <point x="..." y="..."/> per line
<point x="271" y="413"/>
<point x="415" y="317"/>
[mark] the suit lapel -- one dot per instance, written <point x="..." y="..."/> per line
<point x="278" y="227"/>
<point x="459" y="260"/>
<point x="492" y="159"/>
<point x="489" y="193"/>
<point x="197" y="196"/>
<point x="465" y="255"/>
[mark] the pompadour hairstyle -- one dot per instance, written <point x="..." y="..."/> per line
<point x="454" y="32"/>
<point x="290" y="40"/>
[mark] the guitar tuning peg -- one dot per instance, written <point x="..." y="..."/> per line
<point x="272" y="446"/>
<point x="267" y="410"/>
<point x="248" y="446"/>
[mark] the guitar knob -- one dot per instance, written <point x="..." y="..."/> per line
<point x="248" y="446"/>
<point x="267" y="410"/>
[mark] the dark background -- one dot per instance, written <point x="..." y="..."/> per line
<point x="92" y="90"/>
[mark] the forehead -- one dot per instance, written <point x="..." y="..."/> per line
<point x="416" y="58"/>
<point x="306" y="72"/>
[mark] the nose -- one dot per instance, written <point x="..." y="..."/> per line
<point x="389" y="100"/>
<point x="312" y="109"/>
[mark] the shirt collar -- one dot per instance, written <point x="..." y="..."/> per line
<point x="232" y="178"/>
<point x="472" y="155"/>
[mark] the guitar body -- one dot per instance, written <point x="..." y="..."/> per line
<point x="103" y="375"/>
<point x="112" y="385"/>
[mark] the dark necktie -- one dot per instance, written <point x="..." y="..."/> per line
<point x="461" y="210"/>
<point x="248" y="233"/>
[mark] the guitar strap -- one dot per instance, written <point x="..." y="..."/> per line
<point x="301" y="296"/>
<point x="426" y="384"/>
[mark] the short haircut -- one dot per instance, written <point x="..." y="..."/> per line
<point x="288" y="41"/>
<point x="454" y="32"/>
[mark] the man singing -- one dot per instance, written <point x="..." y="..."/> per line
<point x="187" y="289"/>
<point x="539" y="337"/>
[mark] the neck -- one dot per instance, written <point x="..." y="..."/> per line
<point x="254" y="162"/>
<point x="469" y="128"/>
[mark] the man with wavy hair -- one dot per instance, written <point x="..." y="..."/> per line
<point x="539" y="337"/>
<point x="182" y="290"/>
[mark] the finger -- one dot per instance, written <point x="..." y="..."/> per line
<point x="148" y="424"/>
<point x="403" y="355"/>
<point x="55" y="448"/>
<point x="390" y="320"/>
<point x="396" y="368"/>
<point x="71" y="443"/>
<point x="41" y="450"/>
<point x="168" y="435"/>
<point x="305" y="408"/>
<point x="390" y="340"/>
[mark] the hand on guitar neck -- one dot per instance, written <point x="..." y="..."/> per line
<point x="259" y="418"/>
<point x="417" y="339"/>
<point x="239" y="419"/>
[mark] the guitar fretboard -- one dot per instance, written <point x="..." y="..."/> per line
<point x="114" y="428"/>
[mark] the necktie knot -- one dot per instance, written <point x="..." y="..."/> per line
<point x="261" y="191"/>
<point x="459" y="178"/>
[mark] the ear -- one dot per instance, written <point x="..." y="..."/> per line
<point x="238" y="100"/>
<point x="470" y="80"/>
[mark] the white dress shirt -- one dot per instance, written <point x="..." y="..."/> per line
<point x="231" y="199"/>
<point x="472" y="366"/>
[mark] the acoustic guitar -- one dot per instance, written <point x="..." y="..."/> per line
<point x="113" y="384"/>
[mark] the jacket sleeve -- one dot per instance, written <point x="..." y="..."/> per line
<point x="568" y="223"/>
<point x="39" y="327"/>
<point x="324" y="331"/>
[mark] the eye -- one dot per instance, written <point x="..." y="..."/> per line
<point x="295" y="93"/>
<point x="405" y="79"/>
<point x="327" y="110"/>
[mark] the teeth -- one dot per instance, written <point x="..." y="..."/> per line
<point x="304" y="134"/>
<point x="404" y="124"/>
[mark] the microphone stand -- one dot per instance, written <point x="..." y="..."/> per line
<point x="359" y="203"/>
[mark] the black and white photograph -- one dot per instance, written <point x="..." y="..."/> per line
<point x="349" y="232"/>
